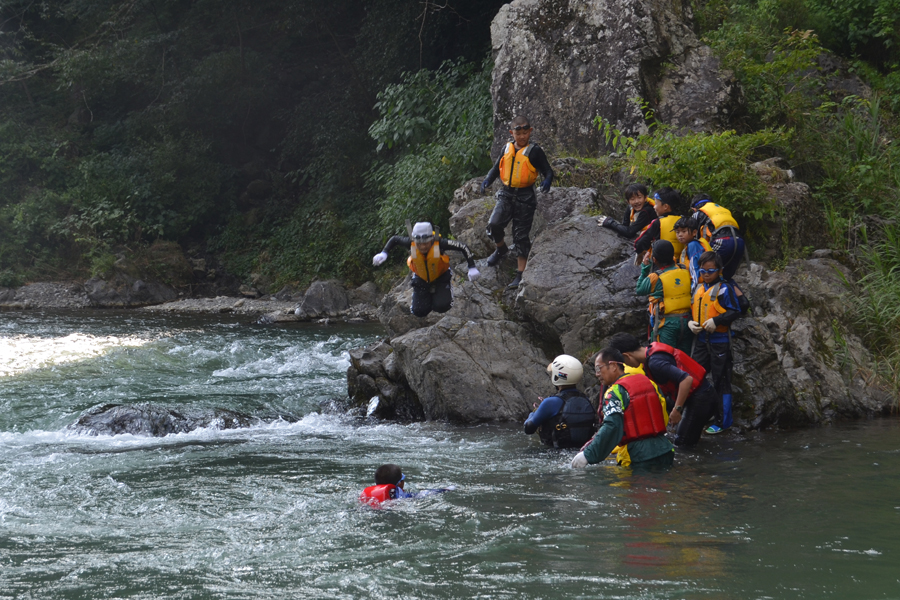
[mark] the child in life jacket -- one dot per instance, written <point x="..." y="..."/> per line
<point x="668" y="287"/>
<point x="667" y="201"/>
<point x="717" y="303"/>
<point x="638" y="215"/>
<point x="720" y="228"/>
<point x="567" y="419"/>
<point x="686" y="229"/>
<point x="430" y="267"/>
<point x="633" y="416"/>
<point x="389" y="482"/>
<point x="517" y="168"/>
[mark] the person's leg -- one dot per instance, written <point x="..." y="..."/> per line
<point x="698" y="410"/>
<point x="523" y="218"/>
<point x="421" y="298"/>
<point x="721" y="364"/>
<point x="442" y="298"/>
<point x="500" y="218"/>
<point x="703" y="354"/>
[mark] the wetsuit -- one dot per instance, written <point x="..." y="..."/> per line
<point x="725" y="240"/>
<point x="629" y="227"/>
<point x="645" y="452"/>
<point x="516" y="204"/>
<point x="690" y="258"/>
<point x="713" y="350"/>
<point x="673" y="329"/>
<point x="433" y="295"/>
<point x="565" y="420"/>
<point x="699" y="407"/>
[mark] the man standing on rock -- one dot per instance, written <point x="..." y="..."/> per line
<point x="430" y="267"/>
<point x="517" y="169"/>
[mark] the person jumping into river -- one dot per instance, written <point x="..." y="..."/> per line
<point x="430" y="267"/>
<point x="633" y="416"/>
<point x="567" y="419"/>
<point x="517" y="169"/>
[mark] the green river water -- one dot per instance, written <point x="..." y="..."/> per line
<point x="272" y="512"/>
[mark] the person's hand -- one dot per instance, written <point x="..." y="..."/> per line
<point x="484" y="186"/>
<point x="536" y="404"/>
<point x="674" y="417"/>
<point x="695" y="327"/>
<point x="601" y="220"/>
<point x="646" y="259"/>
<point x="579" y="462"/>
<point x="474" y="274"/>
<point x="545" y="186"/>
<point x="379" y="258"/>
<point x="709" y="326"/>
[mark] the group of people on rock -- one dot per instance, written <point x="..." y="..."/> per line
<point x="687" y="267"/>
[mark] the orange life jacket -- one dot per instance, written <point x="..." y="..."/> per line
<point x="516" y="169"/>
<point x="644" y="416"/>
<point x="430" y="266"/>
<point x="683" y="362"/>
<point x="376" y="494"/>
<point x="706" y="304"/>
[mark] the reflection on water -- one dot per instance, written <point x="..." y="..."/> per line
<point x="272" y="512"/>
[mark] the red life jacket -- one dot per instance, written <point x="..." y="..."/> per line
<point x="376" y="494"/>
<point x="683" y="362"/>
<point x="643" y="416"/>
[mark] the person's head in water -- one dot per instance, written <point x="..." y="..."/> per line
<point x="520" y="128"/>
<point x="423" y="236"/>
<point x="663" y="253"/>
<point x="609" y="366"/>
<point x="565" y="371"/>
<point x="630" y="348"/>
<point x="710" y="267"/>
<point x="389" y="474"/>
<point x="666" y="200"/>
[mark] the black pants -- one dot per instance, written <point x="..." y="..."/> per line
<point x="718" y="362"/>
<point x="699" y="408"/>
<point x="435" y="296"/>
<point x="517" y="207"/>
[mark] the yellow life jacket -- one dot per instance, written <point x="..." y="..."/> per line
<point x="706" y="304"/>
<point x="684" y="257"/>
<point x="665" y="233"/>
<point x="431" y="265"/>
<point x="719" y="216"/>
<point x="516" y="169"/>
<point x="676" y="291"/>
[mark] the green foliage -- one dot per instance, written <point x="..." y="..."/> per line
<point x="715" y="163"/>
<point x="870" y="28"/>
<point x="438" y="124"/>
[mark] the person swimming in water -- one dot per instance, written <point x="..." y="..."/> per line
<point x="389" y="482"/>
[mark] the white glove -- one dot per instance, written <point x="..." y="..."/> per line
<point x="579" y="462"/>
<point x="379" y="258"/>
<point x="474" y="274"/>
<point x="694" y="326"/>
<point x="709" y="326"/>
<point x="601" y="221"/>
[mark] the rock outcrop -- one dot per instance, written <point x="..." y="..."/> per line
<point x="565" y="63"/>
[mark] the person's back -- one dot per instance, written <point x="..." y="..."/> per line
<point x="719" y="227"/>
<point x="567" y="419"/>
<point x="668" y="288"/>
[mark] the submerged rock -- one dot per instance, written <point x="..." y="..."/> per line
<point x="157" y="421"/>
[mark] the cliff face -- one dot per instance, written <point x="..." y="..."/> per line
<point x="563" y="63"/>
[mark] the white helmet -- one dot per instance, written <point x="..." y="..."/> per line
<point x="422" y="232"/>
<point x="565" y="370"/>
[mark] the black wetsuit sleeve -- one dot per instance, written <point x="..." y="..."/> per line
<point x="539" y="161"/>
<point x="629" y="230"/>
<point x="662" y="369"/>
<point x="493" y="173"/>
<point x="645" y="240"/>
<point x="458" y="247"/>
<point x="397" y="240"/>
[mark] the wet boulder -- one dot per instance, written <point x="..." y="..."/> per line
<point x="153" y="420"/>
<point x="324" y="299"/>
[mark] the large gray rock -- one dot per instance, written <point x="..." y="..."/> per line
<point x="473" y="371"/>
<point x="324" y="299"/>
<point x="124" y="291"/>
<point x="563" y="64"/>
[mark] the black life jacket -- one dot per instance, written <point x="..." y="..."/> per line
<point x="575" y="423"/>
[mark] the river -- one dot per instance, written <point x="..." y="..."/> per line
<point x="272" y="512"/>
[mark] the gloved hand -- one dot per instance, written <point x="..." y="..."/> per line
<point x="474" y="274"/>
<point x="709" y="326"/>
<point x="579" y="462"/>
<point x="545" y="186"/>
<point x="484" y="186"/>
<point x="379" y="258"/>
<point x="695" y="327"/>
<point x="601" y="220"/>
